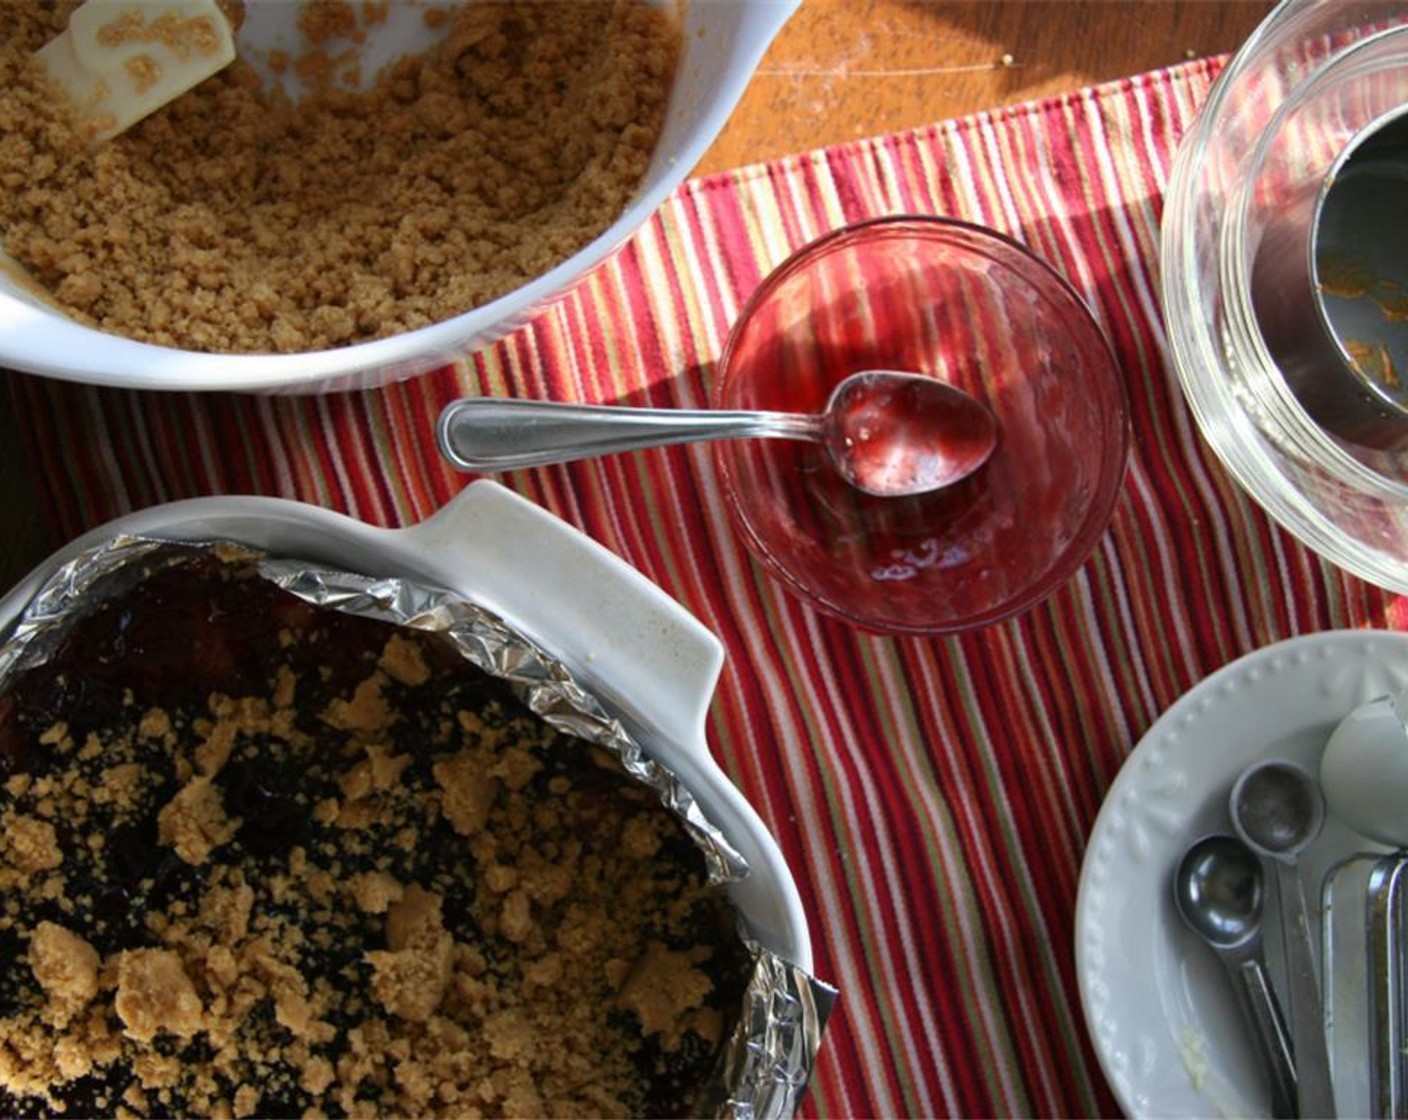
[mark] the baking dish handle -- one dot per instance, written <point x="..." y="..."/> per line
<point x="636" y="647"/>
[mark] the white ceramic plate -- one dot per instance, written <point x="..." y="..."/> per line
<point x="1160" y="1012"/>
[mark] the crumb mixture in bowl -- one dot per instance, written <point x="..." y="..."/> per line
<point x="234" y="220"/>
<point x="261" y="858"/>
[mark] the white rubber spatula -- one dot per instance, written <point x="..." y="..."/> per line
<point x="120" y="60"/>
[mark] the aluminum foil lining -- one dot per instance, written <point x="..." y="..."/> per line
<point x="767" y="1062"/>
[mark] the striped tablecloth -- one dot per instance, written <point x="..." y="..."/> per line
<point x="933" y="796"/>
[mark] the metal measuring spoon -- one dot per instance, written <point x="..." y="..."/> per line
<point x="889" y="434"/>
<point x="1364" y="773"/>
<point x="1219" y="893"/>
<point x="1278" y="810"/>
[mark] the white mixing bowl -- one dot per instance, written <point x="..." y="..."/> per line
<point x="722" y="44"/>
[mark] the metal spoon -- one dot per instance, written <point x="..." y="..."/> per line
<point x="888" y="433"/>
<point x="1219" y="893"/>
<point x="1278" y="810"/>
<point x="1364" y="773"/>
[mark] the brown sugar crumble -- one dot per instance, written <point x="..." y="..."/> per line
<point x="234" y="220"/>
<point x="264" y="859"/>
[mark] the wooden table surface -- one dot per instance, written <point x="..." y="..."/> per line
<point x="844" y="69"/>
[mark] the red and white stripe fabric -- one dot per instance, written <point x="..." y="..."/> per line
<point x="933" y="796"/>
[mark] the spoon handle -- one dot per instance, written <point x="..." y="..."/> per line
<point x="1314" y="1087"/>
<point x="1386" y="1000"/>
<point x="492" y="434"/>
<point x="1269" y="1028"/>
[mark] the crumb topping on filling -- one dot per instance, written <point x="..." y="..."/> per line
<point x="259" y="858"/>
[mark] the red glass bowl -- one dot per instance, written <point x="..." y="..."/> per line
<point x="968" y="306"/>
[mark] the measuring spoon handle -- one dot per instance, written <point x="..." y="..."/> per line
<point x="1263" y="1013"/>
<point x="1314" y="1084"/>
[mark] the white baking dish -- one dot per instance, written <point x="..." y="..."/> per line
<point x="647" y="659"/>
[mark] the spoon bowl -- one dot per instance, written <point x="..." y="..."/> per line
<point x="893" y="434"/>
<point x="1277" y="809"/>
<point x="888" y="433"/>
<point x="1219" y="892"/>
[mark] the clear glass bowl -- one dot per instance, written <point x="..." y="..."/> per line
<point x="965" y="305"/>
<point x="1303" y="86"/>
